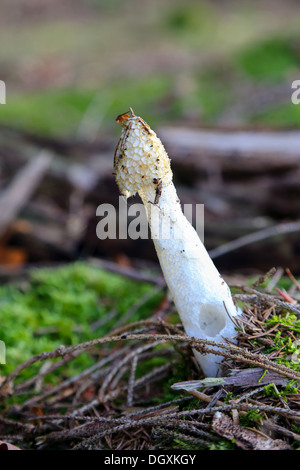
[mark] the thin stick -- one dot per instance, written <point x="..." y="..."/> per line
<point x="73" y="379"/>
<point x="154" y="421"/>
<point x="292" y="277"/>
<point x="131" y="381"/>
<point x="255" y="237"/>
<point x="219" y="348"/>
<point x="269" y="299"/>
<point x="21" y="188"/>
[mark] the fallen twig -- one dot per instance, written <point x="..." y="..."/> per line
<point x="287" y="227"/>
<point x="21" y="188"/>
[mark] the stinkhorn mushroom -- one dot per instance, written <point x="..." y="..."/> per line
<point x="202" y="298"/>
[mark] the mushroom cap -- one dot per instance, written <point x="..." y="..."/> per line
<point x="140" y="158"/>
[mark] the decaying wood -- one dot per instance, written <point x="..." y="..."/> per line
<point x="235" y="150"/>
<point x="274" y="429"/>
<point x="255" y="377"/>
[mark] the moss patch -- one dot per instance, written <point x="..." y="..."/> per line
<point x="63" y="306"/>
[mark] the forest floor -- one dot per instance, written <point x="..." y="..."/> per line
<point x="96" y="357"/>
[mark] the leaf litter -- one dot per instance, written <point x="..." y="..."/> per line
<point x="145" y="390"/>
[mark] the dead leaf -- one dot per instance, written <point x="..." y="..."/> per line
<point x="12" y="256"/>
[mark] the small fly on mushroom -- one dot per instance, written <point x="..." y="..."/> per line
<point x="122" y="117"/>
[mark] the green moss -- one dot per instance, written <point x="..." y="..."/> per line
<point x="224" y="445"/>
<point x="59" y="306"/>
<point x="251" y="418"/>
<point x="291" y="387"/>
<point x="282" y="341"/>
<point x="180" y="444"/>
<point x="269" y="60"/>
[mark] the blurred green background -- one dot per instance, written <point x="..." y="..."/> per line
<point x="71" y="66"/>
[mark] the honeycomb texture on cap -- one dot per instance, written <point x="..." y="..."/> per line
<point x="140" y="158"/>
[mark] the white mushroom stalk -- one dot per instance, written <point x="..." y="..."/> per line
<point x="202" y="298"/>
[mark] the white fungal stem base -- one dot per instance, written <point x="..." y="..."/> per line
<point x="202" y="298"/>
